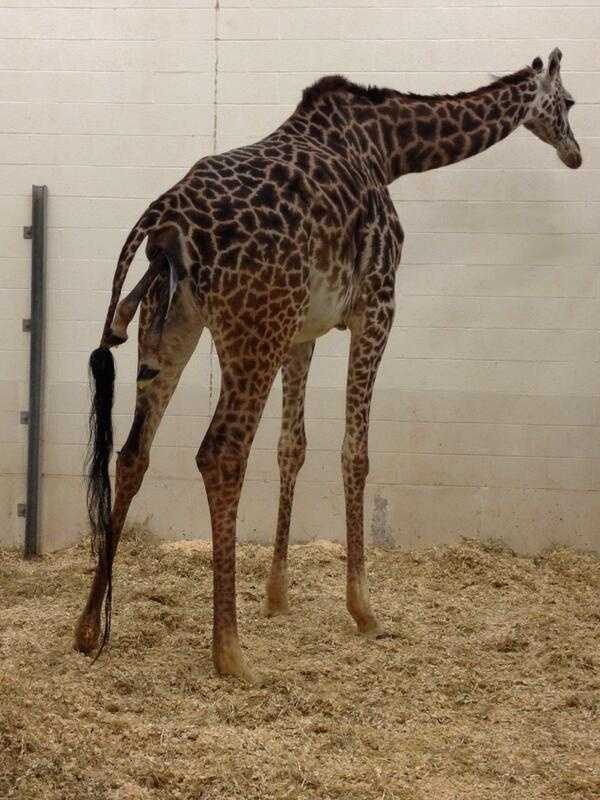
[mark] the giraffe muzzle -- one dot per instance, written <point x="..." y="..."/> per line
<point x="570" y="155"/>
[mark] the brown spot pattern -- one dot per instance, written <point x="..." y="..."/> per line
<point x="268" y="246"/>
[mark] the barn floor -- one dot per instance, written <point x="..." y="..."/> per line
<point x="487" y="686"/>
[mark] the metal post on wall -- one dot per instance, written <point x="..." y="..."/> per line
<point x="35" y="326"/>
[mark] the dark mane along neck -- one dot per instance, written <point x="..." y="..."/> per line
<point x="337" y="83"/>
<point x="398" y="132"/>
<point x="506" y="81"/>
<point x="377" y="94"/>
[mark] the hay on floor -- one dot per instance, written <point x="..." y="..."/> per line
<point x="486" y="688"/>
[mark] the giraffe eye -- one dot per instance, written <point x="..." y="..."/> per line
<point x="569" y="103"/>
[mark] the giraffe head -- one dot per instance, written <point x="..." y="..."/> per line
<point x="548" y="118"/>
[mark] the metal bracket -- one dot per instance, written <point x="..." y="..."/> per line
<point x="28" y="231"/>
<point x="21" y="509"/>
<point x="24" y="417"/>
<point x="26" y="326"/>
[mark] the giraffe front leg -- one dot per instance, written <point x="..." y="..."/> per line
<point x="369" y="337"/>
<point x="355" y="467"/>
<point x="276" y="589"/>
<point x="290" y="455"/>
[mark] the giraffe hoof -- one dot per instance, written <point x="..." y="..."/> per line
<point x="87" y="633"/>
<point x="275" y="607"/>
<point x="243" y="673"/>
<point x="252" y="678"/>
<point x="369" y="629"/>
<point x="276" y="594"/>
<point x="228" y="661"/>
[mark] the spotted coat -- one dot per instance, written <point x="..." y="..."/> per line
<point x="270" y="246"/>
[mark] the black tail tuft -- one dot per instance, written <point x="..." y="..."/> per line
<point x="99" y="494"/>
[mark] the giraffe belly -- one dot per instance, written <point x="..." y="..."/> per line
<point x="327" y="310"/>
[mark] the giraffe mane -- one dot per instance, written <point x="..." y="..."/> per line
<point x="331" y="84"/>
<point x="338" y="83"/>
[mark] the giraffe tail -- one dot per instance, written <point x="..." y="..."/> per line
<point x="100" y="445"/>
<point x="99" y="493"/>
<point x="165" y="264"/>
<point x="114" y="334"/>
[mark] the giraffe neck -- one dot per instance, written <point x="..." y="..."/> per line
<point x="412" y="133"/>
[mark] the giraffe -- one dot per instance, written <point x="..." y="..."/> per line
<point x="270" y="246"/>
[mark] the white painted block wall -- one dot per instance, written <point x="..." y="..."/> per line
<point x="486" y="416"/>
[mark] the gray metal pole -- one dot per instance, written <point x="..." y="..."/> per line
<point x="36" y="363"/>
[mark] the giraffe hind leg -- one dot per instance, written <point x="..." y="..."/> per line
<point x="222" y="460"/>
<point x="290" y="456"/>
<point x="132" y="463"/>
<point x="178" y="344"/>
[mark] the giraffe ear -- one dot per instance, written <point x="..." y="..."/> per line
<point x="537" y="64"/>
<point x="554" y="63"/>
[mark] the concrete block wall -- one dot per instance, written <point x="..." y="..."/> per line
<point x="486" y="417"/>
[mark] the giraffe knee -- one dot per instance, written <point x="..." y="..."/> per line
<point x="131" y="468"/>
<point x="133" y="458"/>
<point x="204" y="459"/>
<point x="355" y="458"/>
<point x="291" y="453"/>
<point x="220" y="460"/>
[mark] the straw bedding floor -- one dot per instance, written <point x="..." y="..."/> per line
<point x="486" y="688"/>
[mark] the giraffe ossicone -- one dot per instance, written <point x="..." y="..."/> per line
<point x="269" y="246"/>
